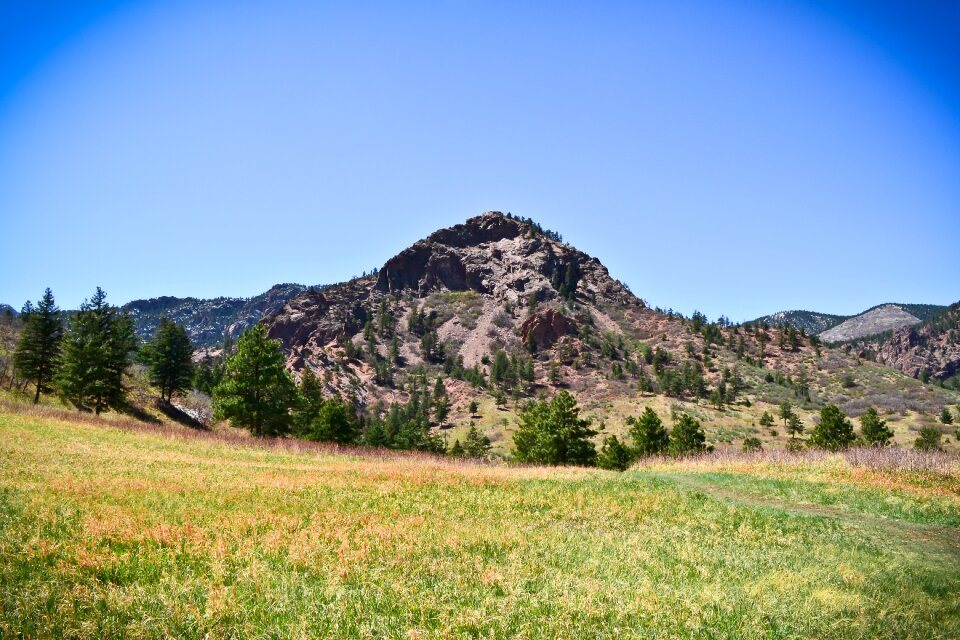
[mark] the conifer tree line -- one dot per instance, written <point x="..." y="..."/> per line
<point x="83" y="356"/>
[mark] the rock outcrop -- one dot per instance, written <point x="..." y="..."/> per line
<point x="547" y="328"/>
<point x="932" y="348"/>
<point x="877" y="320"/>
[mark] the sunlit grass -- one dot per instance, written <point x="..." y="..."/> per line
<point x="108" y="532"/>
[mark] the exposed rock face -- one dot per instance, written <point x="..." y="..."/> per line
<point x="209" y="321"/>
<point x="475" y="279"/>
<point x="547" y="328"/>
<point x="877" y="320"/>
<point x="933" y="348"/>
<point x="498" y="256"/>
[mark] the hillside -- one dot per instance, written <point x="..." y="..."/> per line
<point x="880" y="319"/>
<point x="136" y="531"/>
<point x="930" y="349"/>
<point x="446" y="306"/>
<point x="210" y="321"/>
<point x="838" y="328"/>
<point x="810" y="322"/>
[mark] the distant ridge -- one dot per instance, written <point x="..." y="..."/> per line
<point x="875" y="321"/>
<point x="210" y="321"/>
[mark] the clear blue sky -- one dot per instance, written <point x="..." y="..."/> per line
<point x="732" y="156"/>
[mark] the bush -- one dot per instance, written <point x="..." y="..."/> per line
<point x="752" y="444"/>
<point x="928" y="439"/>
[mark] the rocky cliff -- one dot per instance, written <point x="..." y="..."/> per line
<point x="933" y="348"/>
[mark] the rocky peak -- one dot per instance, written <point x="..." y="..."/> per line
<point x="488" y="227"/>
<point x="496" y="255"/>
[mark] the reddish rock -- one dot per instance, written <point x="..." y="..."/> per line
<point x="547" y="328"/>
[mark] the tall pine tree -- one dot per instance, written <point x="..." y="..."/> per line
<point x="37" y="356"/>
<point x="257" y="392"/>
<point x="170" y="358"/>
<point x="96" y="352"/>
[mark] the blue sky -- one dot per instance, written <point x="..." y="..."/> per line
<point x="733" y="156"/>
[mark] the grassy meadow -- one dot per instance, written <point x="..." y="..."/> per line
<point x="109" y="528"/>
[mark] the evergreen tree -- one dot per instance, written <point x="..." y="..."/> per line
<point x="441" y="409"/>
<point x="766" y="420"/>
<point x="687" y="437"/>
<point x="834" y="432"/>
<point x="309" y="402"/>
<point x="649" y="436"/>
<point x="794" y="426"/>
<point x="472" y="408"/>
<point x="333" y="424"/>
<point x="96" y="351"/>
<point x="614" y="455"/>
<point x="946" y="417"/>
<point x="456" y="450"/>
<point x="785" y="412"/>
<point x="928" y="439"/>
<point x="37" y="355"/>
<point x="874" y="430"/>
<point x="169" y="357"/>
<point x="257" y="392"/>
<point x="554" y="433"/>
<point x="475" y="444"/>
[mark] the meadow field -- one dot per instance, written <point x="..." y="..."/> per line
<point x="111" y="528"/>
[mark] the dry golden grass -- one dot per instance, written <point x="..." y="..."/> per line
<point x="111" y="528"/>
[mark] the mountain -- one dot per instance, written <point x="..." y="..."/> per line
<point x="872" y="322"/>
<point x="930" y="349"/>
<point x="5" y="308"/>
<point x="810" y="322"/>
<point x="501" y="311"/>
<point x="210" y="321"/>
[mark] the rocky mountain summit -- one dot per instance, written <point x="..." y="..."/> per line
<point x="477" y="272"/>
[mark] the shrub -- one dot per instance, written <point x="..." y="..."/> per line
<point x="752" y="444"/>
<point x="928" y="439"/>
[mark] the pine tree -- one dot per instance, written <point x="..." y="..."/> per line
<point x="333" y="424"/>
<point x="794" y="426"/>
<point x="475" y="444"/>
<point x="834" y="432"/>
<point x="473" y="407"/>
<point x="257" y="392"/>
<point x="766" y="420"/>
<point x="441" y="409"/>
<point x="874" y="430"/>
<point x="554" y="433"/>
<point x="614" y="455"/>
<point x="946" y="417"/>
<point x="785" y="412"/>
<point x="649" y="436"/>
<point x="687" y="437"/>
<point x="309" y="402"/>
<point x="96" y="351"/>
<point x="37" y="355"/>
<point x="170" y="358"/>
<point x="928" y="439"/>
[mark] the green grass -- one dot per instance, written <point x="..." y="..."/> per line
<point x="107" y="532"/>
